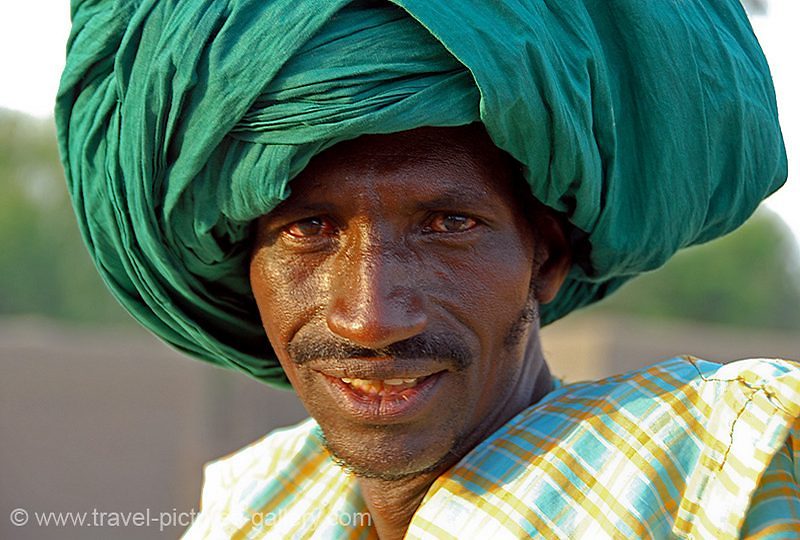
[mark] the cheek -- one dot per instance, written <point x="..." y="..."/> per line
<point x="502" y="278"/>
<point x="491" y="280"/>
<point x="286" y="292"/>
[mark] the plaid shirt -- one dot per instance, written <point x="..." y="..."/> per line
<point x="681" y="449"/>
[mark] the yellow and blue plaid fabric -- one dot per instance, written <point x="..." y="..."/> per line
<point x="681" y="449"/>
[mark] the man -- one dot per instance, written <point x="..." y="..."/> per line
<point x="414" y="255"/>
<point x="401" y="278"/>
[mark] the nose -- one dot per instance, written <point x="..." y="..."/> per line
<point x="374" y="301"/>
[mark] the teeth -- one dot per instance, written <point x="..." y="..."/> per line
<point x="376" y="386"/>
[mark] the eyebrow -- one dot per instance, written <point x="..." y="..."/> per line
<point x="289" y="211"/>
<point x="454" y="199"/>
<point x="468" y="197"/>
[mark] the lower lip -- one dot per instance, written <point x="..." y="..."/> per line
<point x="400" y="407"/>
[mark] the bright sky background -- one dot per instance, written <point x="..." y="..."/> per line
<point x="33" y="34"/>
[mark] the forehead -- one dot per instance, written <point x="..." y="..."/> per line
<point x="423" y="162"/>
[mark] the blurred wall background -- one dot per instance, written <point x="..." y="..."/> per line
<point x="95" y="414"/>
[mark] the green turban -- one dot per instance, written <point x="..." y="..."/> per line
<point x="651" y="125"/>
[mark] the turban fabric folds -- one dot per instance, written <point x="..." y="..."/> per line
<point x="651" y="125"/>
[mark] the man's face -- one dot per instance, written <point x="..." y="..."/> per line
<point x="395" y="285"/>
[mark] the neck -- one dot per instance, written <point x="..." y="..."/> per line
<point x="393" y="503"/>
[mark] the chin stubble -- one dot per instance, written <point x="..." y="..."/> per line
<point x="451" y="457"/>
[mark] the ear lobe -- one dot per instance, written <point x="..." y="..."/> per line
<point x="554" y="257"/>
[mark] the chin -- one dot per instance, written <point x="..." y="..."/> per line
<point x="391" y="457"/>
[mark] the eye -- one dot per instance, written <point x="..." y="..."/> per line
<point x="451" y="223"/>
<point x="310" y="227"/>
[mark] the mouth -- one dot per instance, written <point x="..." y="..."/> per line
<point x="389" y="400"/>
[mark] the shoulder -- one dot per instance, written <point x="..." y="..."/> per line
<point x="710" y="430"/>
<point x="675" y="449"/>
<point x="267" y="453"/>
<point x="258" y="460"/>
<point x="742" y="411"/>
<point x="677" y="374"/>
<point x="685" y="388"/>
<point x="284" y="485"/>
<point x="229" y="482"/>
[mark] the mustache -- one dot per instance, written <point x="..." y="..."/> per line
<point x="442" y="346"/>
